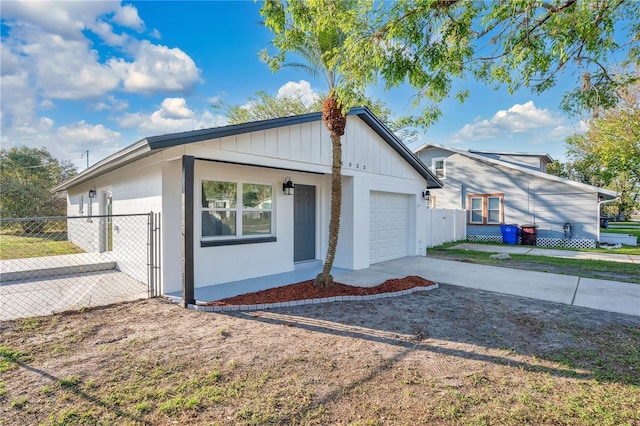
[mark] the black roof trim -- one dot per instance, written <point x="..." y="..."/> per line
<point x="176" y="139"/>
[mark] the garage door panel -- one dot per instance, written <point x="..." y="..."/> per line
<point x="388" y="226"/>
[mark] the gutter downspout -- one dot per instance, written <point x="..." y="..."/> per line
<point x="600" y="203"/>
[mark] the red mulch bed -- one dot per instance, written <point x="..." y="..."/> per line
<point x="306" y="290"/>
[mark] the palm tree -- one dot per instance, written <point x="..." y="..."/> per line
<point x="318" y="47"/>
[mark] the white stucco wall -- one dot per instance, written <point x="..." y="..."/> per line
<point x="135" y="188"/>
<point x="171" y="225"/>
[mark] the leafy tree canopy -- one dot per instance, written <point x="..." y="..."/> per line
<point x="262" y="106"/>
<point x="429" y="43"/>
<point x="26" y="176"/>
<point x="608" y="153"/>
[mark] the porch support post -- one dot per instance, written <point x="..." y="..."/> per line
<point x="188" y="294"/>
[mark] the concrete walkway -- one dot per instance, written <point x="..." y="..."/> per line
<point x="612" y="296"/>
<point x="533" y="250"/>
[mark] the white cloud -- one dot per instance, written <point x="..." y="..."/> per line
<point x="73" y="140"/>
<point x="517" y="119"/>
<point x="18" y="100"/>
<point x="582" y="126"/>
<point x="111" y="103"/>
<point x="175" y="108"/>
<point x="127" y="16"/>
<point x="65" y="142"/>
<point x="65" y="18"/>
<point x="46" y="56"/>
<point x="82" y="132"/>
<point x="52" y="48"/>
<point x="172" y="116"/>
<point x="46" y="40"/>
<point x="67" y="69"/>
<point x="105" y="31"/>
<point x="156" y="68"/>
<point x="301" y="90"/>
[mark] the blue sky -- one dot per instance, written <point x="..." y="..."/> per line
<point x="98" y="76"/>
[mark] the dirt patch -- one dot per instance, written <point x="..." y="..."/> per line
<point x="307" y="290"/>
<point x="447" y="356"/>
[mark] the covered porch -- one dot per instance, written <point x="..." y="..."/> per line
<point x="304" y="271"/>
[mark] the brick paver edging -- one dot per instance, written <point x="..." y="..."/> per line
<point x="230" y="308"/>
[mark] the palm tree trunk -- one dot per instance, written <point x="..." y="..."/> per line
<point x="325" y="279"/>
<point x="335" y="121"/>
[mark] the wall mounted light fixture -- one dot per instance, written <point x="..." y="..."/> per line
<point x="288" y="187"/>
<point x="426" y="195"/>
<point x="92" y="193"/>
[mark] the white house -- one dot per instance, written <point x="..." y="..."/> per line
<point x="224" y="190"/>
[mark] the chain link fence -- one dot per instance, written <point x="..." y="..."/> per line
<point x="55" y="264"/>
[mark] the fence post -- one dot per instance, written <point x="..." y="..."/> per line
<point x="158" y="254"/>
<point x="150" y="257"/>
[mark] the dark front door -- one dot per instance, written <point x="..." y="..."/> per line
<point x="304" y="219"/>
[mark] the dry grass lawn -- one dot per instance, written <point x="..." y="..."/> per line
<point x="447" y="356"/>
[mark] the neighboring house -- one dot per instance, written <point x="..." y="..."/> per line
<point x="499" y="188"/>
<point x="224" y="190"/>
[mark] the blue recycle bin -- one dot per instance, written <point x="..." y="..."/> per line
<point x="509" y="234"/>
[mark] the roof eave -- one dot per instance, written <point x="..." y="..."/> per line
<point x="118" y="159"/>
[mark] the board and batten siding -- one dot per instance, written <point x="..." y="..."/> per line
<point x="307" y="147"/>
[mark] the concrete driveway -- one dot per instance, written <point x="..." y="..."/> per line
<point x="612" y="296"/>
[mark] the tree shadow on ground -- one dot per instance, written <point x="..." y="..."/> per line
<point x="495" y="328"/>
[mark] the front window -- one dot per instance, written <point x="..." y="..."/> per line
<point x="228" y="212"/>
<point x="486" y="209"/>
<point x="256" y="214"/>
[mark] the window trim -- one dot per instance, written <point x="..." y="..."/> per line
<point x="485" y="209"/>
<point x="444" y="167"/>
<point x="237" y="238"/>
<point x="236" y="241"/>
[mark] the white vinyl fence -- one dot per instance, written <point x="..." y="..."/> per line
<point x="446" y="225"/>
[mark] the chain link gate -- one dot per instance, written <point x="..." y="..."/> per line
<point x="55" y="264"/>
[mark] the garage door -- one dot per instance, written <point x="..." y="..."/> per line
<point x="388" y="226"/>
